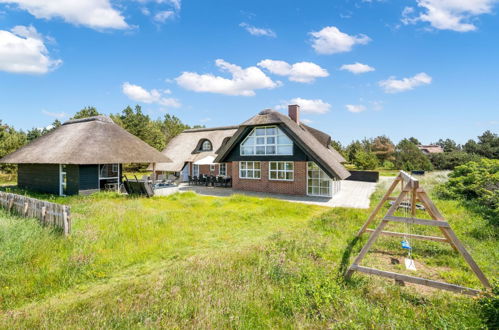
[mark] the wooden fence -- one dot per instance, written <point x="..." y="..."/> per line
<point x="50" y="214"/>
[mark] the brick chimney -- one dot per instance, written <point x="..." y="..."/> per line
<point x="294" y="112"/>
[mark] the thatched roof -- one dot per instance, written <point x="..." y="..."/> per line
<point x="185" y="147"/>
<point x="310" y="140"/>
<point x="94" y="140"/>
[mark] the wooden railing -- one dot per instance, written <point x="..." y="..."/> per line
<point x="49" y="214"/>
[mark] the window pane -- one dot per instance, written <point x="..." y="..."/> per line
<point x="283" y="139"/>
<point x="270" y="150"/>
<point x="285" y="150"/>
<point x="249" y="141"/>
<point x="271" y="140"/>
<point x="257" y="165"/>
<point x="273" y="165"/>
<point x="289" y="166"/>
<point x="243" y="165"/>
<point x="324" y="191"/>
<point x="257" y="174"/>
<point x="281" y="175"/>
<point x="280" y="166"/>
<point x="260" y="150"/>
<point x="273" y="175"/>
<point x="260" y="131"/>
<point x="315" y="190"/>
<point x="260" y="140"/>
<point x="271" y="131"/>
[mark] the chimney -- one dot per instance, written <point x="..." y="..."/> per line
<point x="294" y="113"/>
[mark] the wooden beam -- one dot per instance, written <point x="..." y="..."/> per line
<point x="468" y="258"/>
<point x="379" y="206"/>
<point x="416" y="280"/>
<point x="417" y="221"/>
<point x="422" y="237"/>
<point x="414" y="183"/>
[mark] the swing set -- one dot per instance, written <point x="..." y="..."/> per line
<point x="410" y="194"/>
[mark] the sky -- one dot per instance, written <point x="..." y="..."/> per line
<point x="357" y="68"/>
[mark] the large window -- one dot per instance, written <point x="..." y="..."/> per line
<point x="268" y="140"/>
<point x="319" y="183"/>
<point x="222" y="169"/>
<point x="109" y="176"/>
<point x="249" y="170"/>
<point x="281" y="171"/>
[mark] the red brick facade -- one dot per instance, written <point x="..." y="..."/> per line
<point x="296" y="187"/>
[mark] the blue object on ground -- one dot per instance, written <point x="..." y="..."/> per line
<point x="405" y="245"/>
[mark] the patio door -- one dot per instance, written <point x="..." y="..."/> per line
<point x="185" y="173"/>
<point x="318" y="182"/>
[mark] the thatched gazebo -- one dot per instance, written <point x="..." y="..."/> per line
<point x="80" y="157"/>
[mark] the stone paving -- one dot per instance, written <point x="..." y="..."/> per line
<point x="353" y="194"/>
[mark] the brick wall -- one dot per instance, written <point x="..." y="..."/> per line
<point x="296" y="187"/>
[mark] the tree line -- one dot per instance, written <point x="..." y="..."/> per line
<point x="381" y="152"/>
<point x="155" y="132"/>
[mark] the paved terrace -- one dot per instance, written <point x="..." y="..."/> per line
<point x="353" y="194"/>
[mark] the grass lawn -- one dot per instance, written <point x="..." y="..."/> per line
<point x="240" y="262"/>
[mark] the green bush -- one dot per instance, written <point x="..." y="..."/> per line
<point x="489" y="307"/>
<point x="475" y="181"/>
<point x="408" y="157"/>
<point x="449" y="160"/>
<point x="365" y="160"/>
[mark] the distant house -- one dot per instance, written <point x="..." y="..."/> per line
<point x="431" y="149"/>
<point x="270" y="152"/>
<point x="80" y="157"/>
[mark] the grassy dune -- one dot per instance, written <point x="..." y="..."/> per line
<point x="194" y="261"/>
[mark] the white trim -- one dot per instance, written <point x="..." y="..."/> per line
<point x="330" y="184"/>
<point x="278" y="132"/>
<point x="285" y="171"/>
<point x="252" y="169"/>
<point x="61" y="190"/>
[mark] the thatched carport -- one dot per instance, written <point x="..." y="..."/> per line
<point x="79" y="156"/>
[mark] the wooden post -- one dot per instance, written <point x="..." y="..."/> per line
<point x="66" y="221"/>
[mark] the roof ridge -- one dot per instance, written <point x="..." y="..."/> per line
<point x="102" y="118"/>
<point x="220" y="128"/>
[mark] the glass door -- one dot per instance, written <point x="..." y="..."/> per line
<point x="63" y="180"/>
<point x="318" y="182"/>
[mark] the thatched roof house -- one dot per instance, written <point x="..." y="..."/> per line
<point x="80" y="156"/>
<point x="270" y="152"/>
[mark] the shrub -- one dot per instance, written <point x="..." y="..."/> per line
<point x="476" y="181"/>
<point x="449" y="160"/>
<point x="489" y="307"/>
<point x="365" y="160"/>
<point x="408" y="157"/>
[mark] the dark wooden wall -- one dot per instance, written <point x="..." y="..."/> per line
<point x="39" y="177"/>
<point x="89" y="177"/>
<point x="72" y="175"/>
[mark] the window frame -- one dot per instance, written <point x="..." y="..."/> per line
<point x="284" y="170"/>
<point x="224" y="166"/>
<point x="265" y="145"/>
<point x="203" y="144"/>
<point x="253" y="169"/>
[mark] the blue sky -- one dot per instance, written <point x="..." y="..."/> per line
<point x="424" y="68"/>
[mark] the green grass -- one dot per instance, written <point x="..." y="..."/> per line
<point x="239" y="262"/>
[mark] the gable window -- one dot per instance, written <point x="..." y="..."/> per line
<point x="249" y="170"/>
<point x="267" y="140"/>
<point x="222" y="169"/>
<point x="206" y="146"/>
<point x="281" y="171"/>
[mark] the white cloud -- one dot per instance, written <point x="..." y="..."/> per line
<point x="392" y="85"/>
<point x="305" y="72"/>
<point x="357" y="68"/>
<point x="306" y="121"/>
<point x="455" y="15"/>
<point x="331" y="40"/>
<point x="23" y="51"/>
<point x="355" y="107"/>
<point x="140" y="94"/>
<point x="258" y="31"/>
<point x="242" y="82"/>
<point x="163" y="16"/>
<point x="58" y="115"/>
<point x="96" y="14"/>
<point x="316" y="106"/>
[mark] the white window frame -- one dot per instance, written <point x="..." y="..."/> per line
<point x="276" y="145"/>
<point x="212" y="168"/>
<point x="224" y="167"/>
<point x="277" y="170"/>
<point x="195" y="170"/>
<point x="320" y="178"/>
<point x="207" y="143"/>
<point x="62" y="184"/>
<point x="110" y="177"/>
<point x="259" y="170"/>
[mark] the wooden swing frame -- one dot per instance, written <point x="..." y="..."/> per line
<point x="410" y="185"/>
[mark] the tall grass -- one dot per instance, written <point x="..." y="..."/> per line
<point x="238" y="262"/>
